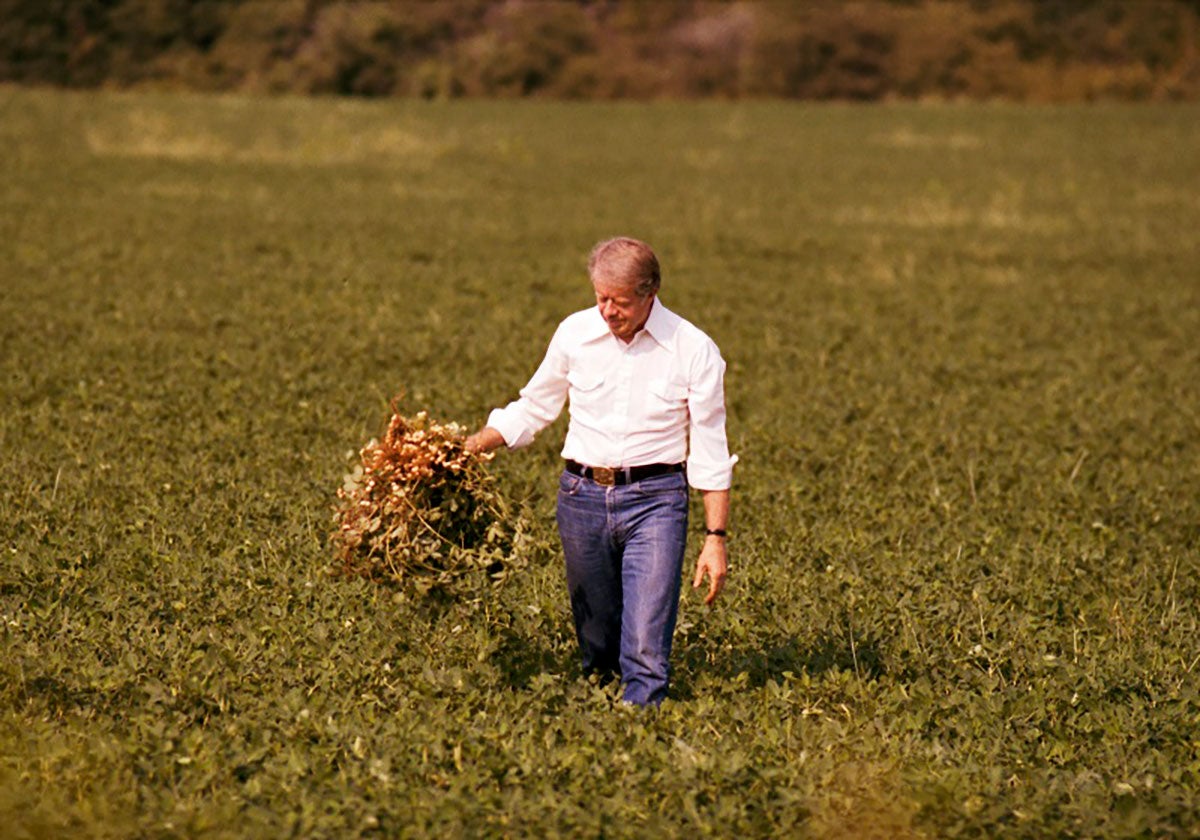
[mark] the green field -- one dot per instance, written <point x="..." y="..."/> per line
<point x="963" y="383"/>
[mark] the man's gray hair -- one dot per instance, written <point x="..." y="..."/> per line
<point x="628" y="260"/>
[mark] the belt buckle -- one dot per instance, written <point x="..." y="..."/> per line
<point x="604" y="475"/>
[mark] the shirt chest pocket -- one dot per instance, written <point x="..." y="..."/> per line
<point x="585" y="389"/>
<point x="666" y="400"/>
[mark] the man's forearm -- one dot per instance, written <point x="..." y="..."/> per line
<point x="716" y="509"/>
<point x="714" y="557"/>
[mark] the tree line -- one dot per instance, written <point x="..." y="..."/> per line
<point x="1027" y="50"/>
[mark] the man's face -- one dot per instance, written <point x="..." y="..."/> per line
<point x="623" y="309"/>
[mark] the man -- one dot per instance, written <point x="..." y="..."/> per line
<point x="647" y="418"/>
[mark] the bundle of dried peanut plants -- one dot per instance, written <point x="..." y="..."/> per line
<point x="420" y="510"/>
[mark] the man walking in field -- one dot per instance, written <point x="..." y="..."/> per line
<point x="647" y="418"/>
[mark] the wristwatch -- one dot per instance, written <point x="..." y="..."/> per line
<point x="714" y="532"/>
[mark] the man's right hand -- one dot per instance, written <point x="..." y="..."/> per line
<point x="485" y="440"/>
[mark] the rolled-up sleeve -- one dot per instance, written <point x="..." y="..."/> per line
<point x="709" y="464"/>
<point x="539" y="403"/>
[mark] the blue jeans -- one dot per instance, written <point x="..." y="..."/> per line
<point x="624" y="549"/>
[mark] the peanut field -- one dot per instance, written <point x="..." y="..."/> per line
<point x="963" y="381"/>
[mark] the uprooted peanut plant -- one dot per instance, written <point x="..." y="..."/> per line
<point x="419" y="510"/>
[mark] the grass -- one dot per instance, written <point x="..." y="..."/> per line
<point x="962" y="382"/>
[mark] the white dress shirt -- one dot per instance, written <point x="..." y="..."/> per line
<point x="658" y="399"/>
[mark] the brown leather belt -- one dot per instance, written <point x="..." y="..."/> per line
<point x="617" y="476"/>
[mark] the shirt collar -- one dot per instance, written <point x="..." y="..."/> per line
<point x="660" y="324"/>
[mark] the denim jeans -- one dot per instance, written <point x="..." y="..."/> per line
<point x="624" y="549"/>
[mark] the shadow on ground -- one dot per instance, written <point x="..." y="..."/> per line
<point x="773" y="659"/>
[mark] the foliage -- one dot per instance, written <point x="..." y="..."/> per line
<point x="1032" y="50"/>
<point x="962" y="367"/>
<point x="419" y="508"/>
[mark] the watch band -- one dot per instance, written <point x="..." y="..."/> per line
<point x="714" y="532"/>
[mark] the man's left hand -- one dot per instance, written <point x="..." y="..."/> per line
<point x="714" y="563"/>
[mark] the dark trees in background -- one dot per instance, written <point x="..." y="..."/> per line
<point x="1042" y="50"/>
